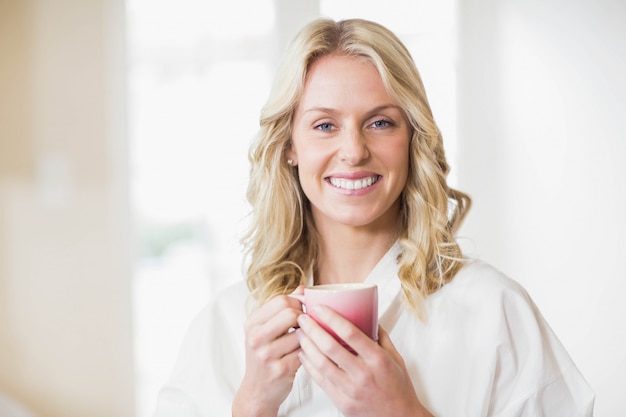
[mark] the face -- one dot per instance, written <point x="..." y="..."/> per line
<point x="350" y="142"/>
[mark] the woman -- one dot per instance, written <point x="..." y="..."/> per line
<point x="348" y="184"/>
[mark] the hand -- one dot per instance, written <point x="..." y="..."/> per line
<point x="374" y="382"/>
<point x="271" y="357"/>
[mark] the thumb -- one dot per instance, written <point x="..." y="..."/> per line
<point x="385" y="342"/>
<point x="299" y="290"/>
<point x="298" y="294"/>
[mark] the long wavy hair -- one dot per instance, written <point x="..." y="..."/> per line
<point x="282" y="243"/>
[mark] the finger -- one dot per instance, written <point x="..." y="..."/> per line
<point x="278" y="326"/>
<point x="319" y="365"/>
<point x="284" y="346"/>
<point x="387" y="345"/>
<point x="299" y="290"/>
<point x="276" y="361"/>
<point x="320" y="377"/>
<point x="270" y="309"/>
<point x="292" y="361"/>
<point x="325" y="352"/>
<point x="385" y="342"/>
<point x="359" y="342"/>
<point x="283" y="353"/>
<point x="298" y="294"/>
<point x="260" y="333"/>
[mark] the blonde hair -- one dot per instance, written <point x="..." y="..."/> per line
<point x="282" y="243"/>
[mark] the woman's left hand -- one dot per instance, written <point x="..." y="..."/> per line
<point x="374" y="382"/>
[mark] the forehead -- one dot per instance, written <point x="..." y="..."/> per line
<point x="340" y="78"/>
<point x="340" y="67"/>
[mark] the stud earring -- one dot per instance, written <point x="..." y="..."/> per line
<point x="290" y="162"/>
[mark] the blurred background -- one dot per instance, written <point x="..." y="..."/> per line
<point x="124" y="128"/>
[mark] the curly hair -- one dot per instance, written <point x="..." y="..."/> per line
<point x="282" y="243"/>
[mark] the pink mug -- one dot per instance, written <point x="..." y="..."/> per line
<point x="356" y="302"/>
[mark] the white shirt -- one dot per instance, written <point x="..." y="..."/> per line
<point x="483" y="350"/>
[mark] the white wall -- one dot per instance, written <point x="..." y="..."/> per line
<point x="542" y="141"/>
<point x="65" y="317"/>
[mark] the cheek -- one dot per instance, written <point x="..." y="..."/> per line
<point x="310" y="170"/>
<point x="309" y="182"/>
<point x="396" y="155"/>
<point x="312" y="159"/>
<point x="398" y="162"/>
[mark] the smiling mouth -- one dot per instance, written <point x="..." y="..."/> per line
<point x="347" y="184"/>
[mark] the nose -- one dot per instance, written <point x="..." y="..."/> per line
<point x="353" y="147"/>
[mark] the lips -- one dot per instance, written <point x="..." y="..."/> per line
<point x="354" y="184"/>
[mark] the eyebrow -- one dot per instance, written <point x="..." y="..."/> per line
<point x="335" y="111"/>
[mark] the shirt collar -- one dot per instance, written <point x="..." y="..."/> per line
<point x="385" y="276"/>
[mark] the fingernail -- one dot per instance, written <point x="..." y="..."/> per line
<point x="302" y="318"/>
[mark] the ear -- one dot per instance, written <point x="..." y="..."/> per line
<point x="291" y="156"/>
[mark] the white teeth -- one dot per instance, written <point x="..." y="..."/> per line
<point x="353" y="185"/>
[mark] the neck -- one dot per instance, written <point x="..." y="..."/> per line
<point x="349" y="255"/>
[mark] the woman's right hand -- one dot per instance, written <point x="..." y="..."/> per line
<point x="271" y="357"/>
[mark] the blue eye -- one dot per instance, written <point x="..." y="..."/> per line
<point x="381" y="123"/>
<point x="324" y="126"/>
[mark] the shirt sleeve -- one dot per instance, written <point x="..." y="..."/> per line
<point x="533" y="374"/>
<point x="210" y="363"/>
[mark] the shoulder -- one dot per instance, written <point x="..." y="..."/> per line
<point x="485" y="286"/>
<point x="502" y="311"/>
<point x="225" y="312"/>
<point x="231" y="298"/>
<point x="492" y="308"/>
<point x="501" y="328"/>
<point x="483" y="276"/>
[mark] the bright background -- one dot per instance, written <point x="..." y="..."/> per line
<point x="124" y="127"/>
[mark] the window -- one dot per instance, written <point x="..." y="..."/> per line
<point x="197" y="80"/>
